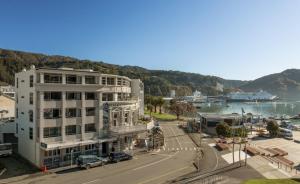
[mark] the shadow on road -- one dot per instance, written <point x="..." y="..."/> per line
<point x="66" y="171"/>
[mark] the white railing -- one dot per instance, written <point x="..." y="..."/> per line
<point x="128" y="129"/>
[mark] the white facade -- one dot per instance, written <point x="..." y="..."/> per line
<point x="63" y="113"/>
<point x="8" y="90"/>
<point x="7" y="116"/>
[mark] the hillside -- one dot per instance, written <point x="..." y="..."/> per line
<point x="285" y="84"/>
<point x="157" y="82"/>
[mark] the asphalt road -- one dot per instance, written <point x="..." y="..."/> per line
<point x="173" y="160"/>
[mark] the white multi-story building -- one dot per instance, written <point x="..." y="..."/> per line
<point x="62" y="113"/>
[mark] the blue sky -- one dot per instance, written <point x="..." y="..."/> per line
<point x="231" y="39"/>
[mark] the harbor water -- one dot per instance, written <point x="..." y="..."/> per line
<point x="264" y="109"/>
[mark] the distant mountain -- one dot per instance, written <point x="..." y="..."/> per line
<point x="285" y="84"/>
<point x="157" y="82"/>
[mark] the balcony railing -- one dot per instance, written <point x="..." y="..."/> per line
<point x="128" y="129"/>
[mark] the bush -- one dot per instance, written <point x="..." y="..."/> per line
<point x="223" y="129"/>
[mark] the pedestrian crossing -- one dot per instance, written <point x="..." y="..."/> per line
<point x="177" y="149"/>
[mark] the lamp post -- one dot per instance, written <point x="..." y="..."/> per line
<point x="72" y="157"/>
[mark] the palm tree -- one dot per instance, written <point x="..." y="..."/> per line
<point x="155" y="103"/>
<point x="160" y="103"/>
<point x="150" y="108"/>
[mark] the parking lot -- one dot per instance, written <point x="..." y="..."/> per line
<point x="289" y="146"/>
<point x="270" y="170"/>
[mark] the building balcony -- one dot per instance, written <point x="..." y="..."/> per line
<point x="119" y="130"/>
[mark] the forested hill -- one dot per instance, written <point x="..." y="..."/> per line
<point x="157" y="82"/>
<point x="285" y="84"/>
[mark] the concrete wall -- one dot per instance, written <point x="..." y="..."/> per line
<point x="26" y="146"/>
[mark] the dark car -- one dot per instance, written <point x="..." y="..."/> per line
<point x="119" y="156"/>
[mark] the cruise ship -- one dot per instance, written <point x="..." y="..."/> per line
<point x="251" y="96"/>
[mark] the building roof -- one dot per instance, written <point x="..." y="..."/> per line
<point x="220" y="116"/>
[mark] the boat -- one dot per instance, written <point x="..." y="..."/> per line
<point x="260" y="96"/>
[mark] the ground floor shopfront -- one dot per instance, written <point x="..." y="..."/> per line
<point x="67" y="154"/>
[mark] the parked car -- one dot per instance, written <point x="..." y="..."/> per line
<point x="89" y="161"/>
<point x="119" y="156"/>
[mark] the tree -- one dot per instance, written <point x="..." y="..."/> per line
<point x="150" y="108"/>
<point x="160" y="103"/>
<point x="155" y="103"/>
<point x="179" y="108"/>
<point x="148" y="99"/>
<point x="273" y="128"/>
<point x="223" y="129"/>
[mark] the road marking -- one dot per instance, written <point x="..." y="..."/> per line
<point x="168" y="173"/>
<point x="153" y="163"/>
<point x="176" y="137"/>
<point x="93" y="181"/>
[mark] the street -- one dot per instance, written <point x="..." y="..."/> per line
<point x="159" y="166"/>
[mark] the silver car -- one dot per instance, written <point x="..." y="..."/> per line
<point x="89" y="161"/>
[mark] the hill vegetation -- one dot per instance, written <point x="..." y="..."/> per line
<point x="285" y="84"/>
<point x="157" y="82"/>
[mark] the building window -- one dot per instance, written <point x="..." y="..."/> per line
<point x="52" y="113"/>
<point x="52" y="78"/>
<point x="71" y="130"/>
<point x="30" y="133"/>
<point x="31" y="81"/>
<point x="52" y="132"/>
<point x="90" y="147"/>
<point x="17" y="83"/>
<point x="119" y="83"/>
<point x="30" y="113"/>
<point x="90" y="79"/>
<point x="17" y="113"/>
<point x="124" y="96"/>
<point x="17" y="127"/>
<point x="73" y="95"/>
<point x="110" y="81"/>
<point x="90" y="128"/>
<point x="73" y="112"/>
<point x="90" y="111"/>
<point x="30" y="98"/>
<point x="73" y="79"/>
<point x="90" y="96"/>
<point x="126" y="117"/>
<point x="55" y="96"/>
<point x="107" y="97"/>
<point x="103" y="80"/>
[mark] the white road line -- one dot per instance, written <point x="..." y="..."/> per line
<point x="93" y="181"/>
<point x="153" y="163"/>
<point x="176" y="138"/>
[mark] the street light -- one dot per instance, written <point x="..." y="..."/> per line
<point x="72" y="157"/>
